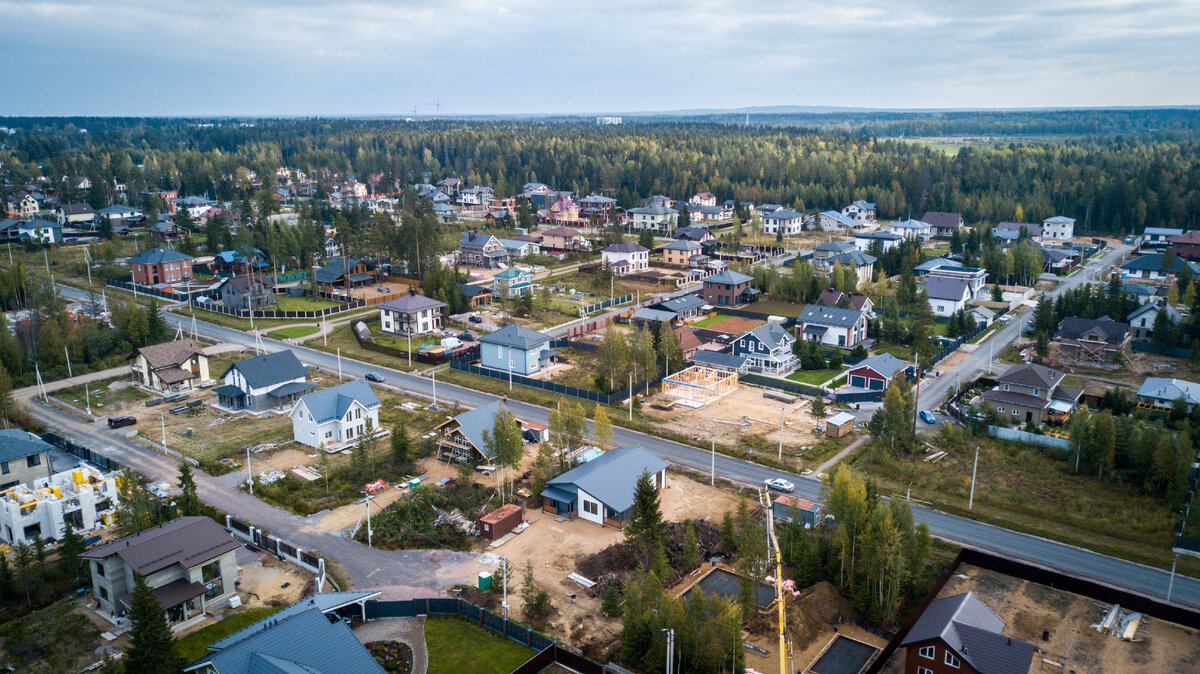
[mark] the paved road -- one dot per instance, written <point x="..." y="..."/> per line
<point x="937" y="391"/>
<point x="964" y="531"/>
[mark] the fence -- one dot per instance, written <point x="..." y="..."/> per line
<point x="434" y="358"/>
<point x="98" y="460"/>
<point x="163" y="449"/>
<point x="73" y="408"/>
<point x="599" y="306"/>
<point x="278" y="547"/>
<point x="1175" y="351"/>
<point x="467" y="364"/>
<point x="1025" y="437"/>
<point x="126" y="283"/>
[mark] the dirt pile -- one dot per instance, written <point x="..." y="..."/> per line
<point x="616" y="563"/>
<point x="817" y="609"/>
<point x="707" y="536"/>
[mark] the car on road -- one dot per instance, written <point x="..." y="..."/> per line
<point x="121" y="422"/>
<point x="928" y="417"/>
<point x="780" y="484"/>
<point x="374" y="376"/>
<point x="1005" y="319"/>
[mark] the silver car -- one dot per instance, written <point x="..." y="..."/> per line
<point x="780" y="484"/>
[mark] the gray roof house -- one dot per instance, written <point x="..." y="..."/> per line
<point x="339" y="270"/>
<point x="601" y="490"/>
<point x="515" y="348"/>
<point x="1162" y="392"/>
<point x="832" y="326"/>
<point x="461" y="439"/>
<point x="767" y="348"/>
<point x="24" y="457"/>
<point x="304" y="638"/>
<point x="719" y="361"/>
<point x="1141" y="321"/>
<point x="336" y="416"/>
<point x="962" y="629"/>
<point x="269" y="381"/>
<point x="411" y="314"/>
<point x="947" y="295"/>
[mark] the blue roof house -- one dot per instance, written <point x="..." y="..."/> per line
<point x="334" y="417"/>
<point x="515" y="348"/>
<point x="601" y="490"/>
<point x="461" y="439"/>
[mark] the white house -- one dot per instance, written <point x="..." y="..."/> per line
<point x="411" y="314"/>
<point x="1141" y="321"/>
<point x="626" y="258"/>
<point x="333" y="417"/>
<point x="120" y="215"/>
<point x="783" y="220"/>
<point x="860" y="211"/>
<point x="767" y="348"/>
<point x="975" y="277"/>
<point x="476" y="196"/>
<point x="512" y="282"/>
<point x="1058" y="228"/>
<point x="832" y="221"/>
<point x="912" y="229"/>
<point x="602" y="490"/>
<point x="84" y="496"/>
<point x="655" y="217"/>
<point x="947" y="295"/>
<point x="887" y="240"/>
<point x="832" y="326"/>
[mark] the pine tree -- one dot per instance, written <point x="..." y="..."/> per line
<point x="818" y="407"/>
<point x="644" y="530"/>
<point x="691" y="548"/>
<point x="70" y="546"/>
<point x="6" y="580"/>
<point x="401" y="447"/>
<point x="151" y="648"/>
<point x="188" y="503"/>
<point x="611" y="606"/>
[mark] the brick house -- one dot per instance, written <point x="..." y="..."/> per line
<point x="160" y="265"/>
<point x="728" y="289"/>
<point x="960" y="634"/>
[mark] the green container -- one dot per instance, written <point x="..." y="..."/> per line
<point x="414" y="484"/>
<point x="485" y="581"/>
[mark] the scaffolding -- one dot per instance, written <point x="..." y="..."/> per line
<point x="697" y="386"/>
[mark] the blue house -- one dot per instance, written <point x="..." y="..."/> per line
<point x="515" y="348"/>
<point x="767" y="348"/>
<point x="601" y="490"/>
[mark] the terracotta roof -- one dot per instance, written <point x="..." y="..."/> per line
<point x="687" y="338"/>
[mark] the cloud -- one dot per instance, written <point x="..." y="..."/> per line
<point x="384" y="57"/>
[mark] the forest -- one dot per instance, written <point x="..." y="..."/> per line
<point x="1111" y="181"/>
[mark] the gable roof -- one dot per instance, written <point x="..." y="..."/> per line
<point x="771" y="334"/>
<point x="188" y="541"/>
<point x="169" y="354"/>
<point x="158" y="256"/>
<point x="944" y="288"/>
<point x="511" y="273"/>
<point x="844" y="220"/>
<point x="332" y="403"/>
<point x="885" y="364"/>
<point x="335" y="269"/>
<point x="681" y="303"/>
<point x="1154" y="307"/>
<point x="974" y="632"/>
<point x="243" y="283"/>
<point x="683" y="244"/>
<point x="687" y="338"/>
<point x="910" y="224"/>
<point x="854" y="257"/>
<point x="612" y="476"/>
<point x="783" y="214"/>
<point x="835" y="246"/>
<point x="1162" y="231"/>
<point x="829" y="316"/>
<point x="272" y="368"/>
<point x="930" y="265"/>
<point x="1030" y="374"/>
<point x="943" y="219"/>
<point x="561" y="231"/>
<point x="653" y="209"/>
<point x="76" y="209"/>
<point x="515" y="336"/>
<point x="692" y="233"/>
<point x="625" y="247"/>
<point x="719" y="359"/>
<point x="323" y="601"/>
<point x="411" y="303"/>
<point x="18" y="444"/>
<point x="728" y="277"/>
<point x="1033" y="228"/>
<point x="1109" y="330"/>
<point x="1154" y="262"/>
<point x="473" y="423"/>
<point x="1169" y="389"/>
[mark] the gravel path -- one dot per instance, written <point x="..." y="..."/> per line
<point x="410" y="631"/>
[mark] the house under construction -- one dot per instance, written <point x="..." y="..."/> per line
<point x="697" y="386"/>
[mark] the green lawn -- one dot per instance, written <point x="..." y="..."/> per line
<point x="294" y="332"/>
<point x="285" y="303"/>
<point x="458" y="646"/>
<point x="195" y="645"/>
<point x="710" y="321"/>
<point x="813" y="377"/>
<point x="401" y="343"/>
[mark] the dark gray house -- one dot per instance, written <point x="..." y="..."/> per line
<point x="245" y="292"/>
<point x="270" y="382"/>
<point x="24" y="457"/>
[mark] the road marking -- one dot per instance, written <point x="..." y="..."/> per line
<point x="372" y="573"/>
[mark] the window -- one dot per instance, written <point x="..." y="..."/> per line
<point x="927" y="652"/>
<point x="1006" y="387"/>
<point x="1037" y="391"/>
<point x="99" y="568"/>
<point x="35" y="460"/>
<point x="951" y="660"/>
<point x="103" y="593"/>
<point x="924" y="670"/>
<point x="591" y="508"/>
<point x="211" y="575"/>
<point x="4" y="468"/>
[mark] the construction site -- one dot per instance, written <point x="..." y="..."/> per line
<point x="698" y="386"/>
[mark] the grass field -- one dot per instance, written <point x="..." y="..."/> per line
<point x="458" y="646"/>
<point x="710" y="321"/>
<point x="294" y="332"/>
<point x="195" y="645"/>
<point x="402" y="343"/>
<point x="285" y="303"/>
<point x="813" y="377"/>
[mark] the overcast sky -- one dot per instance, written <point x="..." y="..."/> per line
<point x="366" y="57"/>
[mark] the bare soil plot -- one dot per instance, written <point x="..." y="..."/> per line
<point x="262" y="582"/>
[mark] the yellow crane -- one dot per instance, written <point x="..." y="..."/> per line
<point x="784" y="655"/>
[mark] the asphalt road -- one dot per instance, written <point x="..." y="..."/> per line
<point x="960" y="530"/>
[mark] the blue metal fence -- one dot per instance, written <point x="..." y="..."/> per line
<point x="464" y="609"/>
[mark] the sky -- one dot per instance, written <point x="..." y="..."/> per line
<point x="389" y="57"/>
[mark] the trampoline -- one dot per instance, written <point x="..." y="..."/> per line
<point x="727" y="585"/>
<point x="843" y="655"/>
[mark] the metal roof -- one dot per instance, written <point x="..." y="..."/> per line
<point x="159" y="255"/>
<point x="187" y="541"/>
<point x="515" y="336"/>
<point x="719" y="360"/>
<point x="291" y="388"/>
<point x="332" y="403"/>
<point x="728" y="277"/>
<point x="974" y="632"/>
<point x="683" y="244"/>
<point x="324" y="601"/>
<point x="835" y="246"/>
<point x="472" y="424"/>
<point x="612" y="477"/>
<point x="648" y="314"/>
<point x="772" y="335"/>
<point x="829" y="316"/>
<point x="943" y="288"/>
<point x="335" y="269"/>
<point x="1154" y="262"/>
<point x="1112" y="332"/>
<point x="411" y="303"/>
<point x="625" y="247"/>
<point x="272" y="368"/>
<point x="1161" y="388"/>
<point x="1030" y="374"/>
<point x="18" y="444"/>
<point x="855" y="257"/>
<point x="681" y="303"/>
<point x="885" y="364"/>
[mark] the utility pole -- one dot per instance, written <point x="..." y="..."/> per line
<point x="249" y="474"/>
<point x="433" y="375"/>
<point x="1171" y="585"/>
<point x="631" y="396"/>
<point x="367" y="503"/>
<point x="87" y="395"/>
<point x="712" y="471"/>
<point x="163" y="421"/>
<point x="781" y="409"/>
<point x="504" y="563"/>
<point x="671" y="650"/>
<point x="69" y="374"/>
<point x="971" y="498"/>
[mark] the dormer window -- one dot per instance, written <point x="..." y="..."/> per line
<point x="1037" y="392"/>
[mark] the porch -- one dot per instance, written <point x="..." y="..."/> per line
<point x="182" y="601"/>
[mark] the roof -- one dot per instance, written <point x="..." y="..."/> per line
<point x="1154" y="262"/>
<point x="841" y="219"/>
<point x="1033" y="228"/>
<point x="1030" y="374"/>
<point x="681" y="303"/>
<point x="18" y="444"/>
<point x="335" y="269"/>
<point x="853" y="257"/>
<point x="1162" y="231"/>
<point x="797" y="503"/>
<point x="242" y="283"/>
<point x="332" y="403"/>
<point x="272" y="368"/>
<point x="841" y="419"/>
<point x="692" y="233"/>
<point x="561" y="231"/>
<point x="159" y="255"/>
<point x="974" y="632"/>
<point x="1061" y="220"/>
<point x="625" y="247"/>
<point x="411" y="303"/>
<point x="169" y="354"/>
<point x="911" y="224"/>
<point x="683" y="244"/>
<point x="943" y="288"/>
<point x="719" y="359"/>
<point x="943" y="219"/>
<point x="1151" y="306"/>
<point x="771" y="334"/>
<point x="187" y="541"/>
<point x="728" y="277"/>
<point x="473" y="423"/>
<point x="930" y="265"/>
<point x="865" y="205"/>
<point x="291" y="388"/>
<point x="1161" y="388"/>
<point x="118" y="210"/>
<point x="171" y="594"/>
<point x="878" y="236"/>
<point x="516" y="336"/>
<point x="648" y="314"/>
<point x="829" y="316"/>
<point x="783" y="214"/>
<point x="653" y="209"/>
<point x="1192" y="236"/>
<point x="885" y="364"/>
<point x="75" y="209"/>
<point x="687" y="338"/>
<point x="323" y="601"/>
<point x="1109" y="330"/>
<point x="612" y="477"/>
<point x="471" y="291"/>
<point x="835" y="246"/>
<point x="1014" y="398"/>
<point x="303" y="641"/>
<point x="511" y="273"/>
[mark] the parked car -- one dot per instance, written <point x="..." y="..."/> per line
<point x="121" y="422"/>
<point x="928" y="417"/>
<point x="475" y="319"/>
<point x="780" y="484"/>
<point x="1005" y="319"/>
<point x="467" y="337"/>
<point x="374" y="376"/>
<point x="449" y="333"/>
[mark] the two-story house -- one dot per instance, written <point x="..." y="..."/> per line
<point x="886" y="240"/>
<point x="271" y="381"/>
<point x="1032" y="394"/>
<point x="24" y="457"/>
<point x="75" y="215"/>
<point x="188" y="562"/>
<point x="767" y="348"/>
<point x="411" y="314"/>
<point x="911" y="229"/>
<point x="160" y="265"/>
<point x="169" y="367"/>
<point x="247" y="292"/>
<point x="947" y="295"/>
<point x="944" y="224"/>
<point x="657" y="218"/>
<point x="1141" y="321"/>
<point x="1186" y="245"/>
<point x="341" y="272"/>
<point x="515" y="348"/>
<point x="333" y="417"/>
<point x="860" y="211"/>
<point x="975" y="277"/>
<point x="961" y="635"/>
<point x="822" y="252"/>
<point x="1058" y="228"/>
<point x="728" y="289"/>
<point x="862" y="264"/>
<point x="481" y="250"/>
<point x="1101" y="341"/>
<point x="563" y="240"/>
<point x="679" y="252"/>
<point x="512" y="283"/>
<point x="626" y="258"/>
<point x="832" y="326"/>
<point x="785" y="221"/>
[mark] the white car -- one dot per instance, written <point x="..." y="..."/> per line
<point x="780" y="484"/>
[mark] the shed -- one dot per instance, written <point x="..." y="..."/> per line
<point x="500" y="521"/>
<point x="796" y="510"/>
<point x="841" y="424"/>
